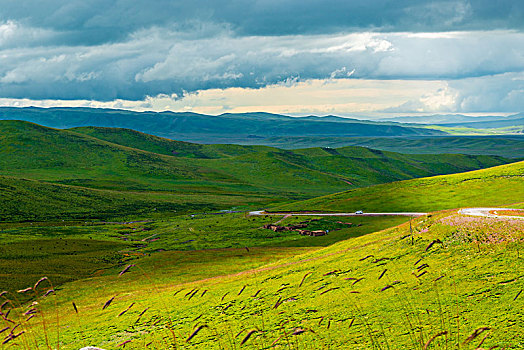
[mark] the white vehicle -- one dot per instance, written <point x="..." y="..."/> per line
<point x="359" y="212"/>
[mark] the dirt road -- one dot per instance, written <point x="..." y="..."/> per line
<point x="485" y="212"/>
<point x="262" y="212"/>
<point x="489" y="213"/>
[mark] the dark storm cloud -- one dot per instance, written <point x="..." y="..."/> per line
<point x="97" y="21"/>
<point x="105" y="50"/>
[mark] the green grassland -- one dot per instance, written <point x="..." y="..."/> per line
<point x="160" y="145"/>
<point x="66" y="251"/>
<point x="447" y="275"/>
<point x="487" y="187"/>
<point x="510" y="146"/>
<point x="78" y="206"/>
<point x="33" y="200"/>
<point x="118" y="174"/>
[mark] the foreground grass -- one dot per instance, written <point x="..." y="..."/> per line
<point x="447" y="282"/>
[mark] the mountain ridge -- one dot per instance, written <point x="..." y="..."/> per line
<point x="188" y="124"/>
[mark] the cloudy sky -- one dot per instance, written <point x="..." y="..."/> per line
<point x="345" y="57"/>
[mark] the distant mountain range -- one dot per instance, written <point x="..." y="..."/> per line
<point x="489" y="135"/>
<point x="212" y="129"/>
<point x="490" y="121"/>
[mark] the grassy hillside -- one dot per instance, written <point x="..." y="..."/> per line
<point x="33" y="200"/>
<point x="487" y="187"/>
<point x="270" y="167"/>
<point x="510" y="146"/>
<point x="31" y="151"/>
<point x="183" y="176"/>
<point x="160" y="145"/>
<point x="73" y="250"/>
<point x="445" y="281"/>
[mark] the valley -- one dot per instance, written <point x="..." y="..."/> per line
<point x="170" y="244"/>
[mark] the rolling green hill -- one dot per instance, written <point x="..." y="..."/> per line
<point x="509" y="146"/>
<point x="358" y="165"/>
<point x="487" y="187"/>
<point x="130" y="163"/>
<point x="160" y="145"/>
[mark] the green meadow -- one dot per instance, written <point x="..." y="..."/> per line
<point x="147" y="242"/>
<point x="104" y="173"/>
<point x="78" y="249"/>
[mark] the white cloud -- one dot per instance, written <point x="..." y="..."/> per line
<point x="495" y="93"/>
<point x="13" y="34"/>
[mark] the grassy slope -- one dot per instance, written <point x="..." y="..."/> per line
<point x="160" y="145"/>
<point x="194" y="176"/>
<point x="29" y="149"/>
<point x="66" y="251"/>
<point x="471" y="280"/>
<point x="508" y="146"/>
<point x="32" y="200"/>
<point x="358" y="165"/>
<point x="494" y="186"/>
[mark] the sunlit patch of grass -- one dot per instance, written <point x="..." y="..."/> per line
<point x="501" y="185"/>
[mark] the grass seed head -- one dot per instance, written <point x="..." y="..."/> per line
<point x="39" y="281"/>
<point x="126" y="269"/>
<point x="241" y="290"/>
<point x="433" y="338"/>
<point x="108" y="303"/>
<point x="475" y="334"/>
<point x="195" y="332"/>
<point x="304" y="278"/>
<point x="386" y="288"/>
<point x="126" y="310"/>
<point x="248" y="335"/>
<point x="123" y="343"/>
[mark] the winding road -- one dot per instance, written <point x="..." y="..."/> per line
<point x="262" y="212"/>
<point x="485" y="212"/>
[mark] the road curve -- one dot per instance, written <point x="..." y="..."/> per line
<point x="486" y="212"/>
<point x="262" y="212"/>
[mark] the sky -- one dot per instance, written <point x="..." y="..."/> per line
<point x="296" y="57"/>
